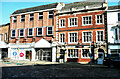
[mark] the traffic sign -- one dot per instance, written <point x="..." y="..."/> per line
<point x="14" y="53"/>
<point x="21" y="54"/>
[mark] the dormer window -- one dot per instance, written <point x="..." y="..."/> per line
<point x="31" y="16"/>
<point x="22" y="18"/>
<point x="50" y="14"/>
<point x="14" y="19"/>
<point x="40" y="15"/>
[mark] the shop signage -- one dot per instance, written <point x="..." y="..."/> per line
<point x="14" y="53"/>
<point x="21" y="54"/>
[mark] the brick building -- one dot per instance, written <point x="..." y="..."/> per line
<point x="81" y="32"/>
<point x="4" y="40"/>
<point x="32" y="33"/>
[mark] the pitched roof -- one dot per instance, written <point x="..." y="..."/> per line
<point x="114" y="7"/>
<point x="80" y="4"/>
<point x="43" y="7"/>
<point x="4" y="24"/>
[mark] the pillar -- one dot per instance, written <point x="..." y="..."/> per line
<point x="54" y="54"/>
<point x="33" y="54"/>
<point x="0" y="53"/>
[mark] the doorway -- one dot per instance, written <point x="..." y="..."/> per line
<point x="100" y="56"/>
<point x="62" y="55"/>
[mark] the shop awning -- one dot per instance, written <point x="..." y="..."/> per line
<point x="42" y="43"/>
<point x="3" y="44"/>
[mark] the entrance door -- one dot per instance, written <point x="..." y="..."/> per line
<point x="62" y="55"/>
<point x="100" y="56"/>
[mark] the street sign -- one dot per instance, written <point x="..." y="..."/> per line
<point x="21" y="54"/>
<point x="14" y="53"/>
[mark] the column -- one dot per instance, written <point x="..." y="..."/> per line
<point x="54" y="54"/>
<point x="33" y="54"/>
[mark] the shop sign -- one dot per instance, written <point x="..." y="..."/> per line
<point x="21" y="54"/>
<point x="14" y="53"/>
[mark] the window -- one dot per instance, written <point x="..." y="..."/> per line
<point x="32" y="17"/>
<point x="85" y="53"/>
<point x="13" y="33"/>
<point x="22" y="18"/>
<point x="116" y="34"/>
<point x="87" y="20"/>
<point x="14" y="19"/>
<point x="28" y="54"/>
<point x="1" y="37"/>
<point x="72" y="22"/>
<point x="5" y="36"/>
<point x="73" y="53"/>
<point x="115" y="52"/>
<point x="40" y="15"/>
<point x="62" y="38"/>
<point x="100" y="35"/>
<point x="87" y="36"/>
<point x="99" y="19"/>
<point x="62" y="23"/>
<point x="21" y="32"/>
<point x="72" y="37"/>
<point x="50" y="14"/>
<point x="49" y="30"/>
<point x="39" y="31"/>
<point x="118" y="16"/>
<point x="30" y="31"/>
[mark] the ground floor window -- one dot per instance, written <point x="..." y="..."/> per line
<point x="73" y="53"/>
<point x="115" y="52"/>
<point x="85" y="53"/>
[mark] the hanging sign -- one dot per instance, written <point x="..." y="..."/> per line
<point x="14" y="53"/>
<point x="21" y="54"/>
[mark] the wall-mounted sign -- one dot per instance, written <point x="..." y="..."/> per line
<point x="14" y="53"/>
<point x="21" y="54"/>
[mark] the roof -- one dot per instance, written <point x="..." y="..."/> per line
<point x="114" y="7"/>
<point x="80" y="4"/>
<point x="43" y="7"/>
<point x="4" y="24"/>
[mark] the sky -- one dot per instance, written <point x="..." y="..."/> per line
<point x="7" y="7"/>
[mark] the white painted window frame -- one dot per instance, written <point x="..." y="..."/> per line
<point x="37" y="31"/>
<point x="12" y="33"/>
<point x="50" y="14"/>
<point x="40" y="15"/>
<point x="5" y="36"/>
<point x="23" y="32"/>
<point x="74" y="38"/>
<point x="82" y="53"/>
<point x="22" y="18"/>
<point x="83" y="37"/>
<point x="28" y="31"/>
<point x="97" y="35"/>
<point x="31" y="16"/>
<point x="74" y="52"/>
<point x="88" y="20"/>
<point x="62" y="23"/>
<point x="99" y="19"/>
<point x="74" y="21"/>
<point x="14" y="19"/>
<point x="52" y="30"/>
<point x="62" y="38"/>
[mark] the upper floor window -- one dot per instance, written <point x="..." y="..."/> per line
<point x="72" y="38"/>
<point x="99" y="19"/>
<point x="62" y="38"/>
<point x="72" y="22"/>
<point x="30" y="31"/>
<point x="39" y="31"/>
<point x="14" y="19"/>
<point x="118" y="16"/>
<point x="49" y="30"/>
<point x="22" y="18"/>
<point x="5" y="36"/>
<point x="116" y="33"/>
<point x="21" y="32"/>
<point x="50" y="14"/>
<point x="73" y="53"/>
<point x="13" y="33"/>
<point x="86" y="20"/>
<point x="87" y="36"/>
<point x="1" y="37"/>
<point x="62" y="22"/>
<point x="31" y="16"/>
<point x="85" y="53"/>
<point x="100" y="35"/>
<point x="40" y="15"/>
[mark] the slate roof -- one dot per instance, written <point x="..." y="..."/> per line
<point x="4" y="24"/>
<point x="114" y="7"/>
<point x="43" y="7"/>
<point x="80" y="4"/>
